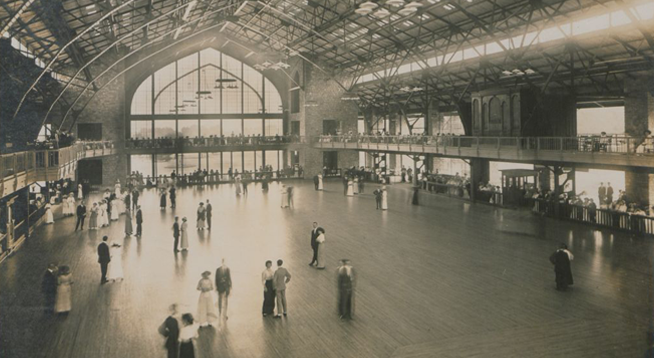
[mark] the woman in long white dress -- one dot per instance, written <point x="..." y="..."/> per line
<point x="350" y="187"/>
<point x="319" y="181"/>
<point x="64" y="292"/>
<point x="102" y="214"/>
<point x="115" y="211"/>
<point x="121" y="204"/>
<point x="115" y="271"/>
<point x="207" y="312"/>
<point x="65" y="206"/>
<point x="49" y="218"/>
<point x="80" y="192"/>
<point x="117" y="188"/>
<point x="320" y="241"/>
<point x="384" y="203"/>
<point x="183" y="231"/>
<point x="237" y="182"/>
<point x="284" y="196"/>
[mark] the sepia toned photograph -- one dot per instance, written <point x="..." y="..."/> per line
<point x="326" y="178"/>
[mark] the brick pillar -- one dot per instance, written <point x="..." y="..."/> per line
<point x="638" y="117"/>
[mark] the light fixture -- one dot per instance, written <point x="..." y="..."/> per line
<point x="350" y="96"/>
<point x="407" y="11"/>
<point x="363" y="11"/>
<point x="413" y="4"/>
<point x="381" y="13"/>
<point x="368" y="5"/>
<point x="411" y="89"/>
<point x="396" y="3"/>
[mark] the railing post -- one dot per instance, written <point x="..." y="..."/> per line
<point x="561" y="144"/>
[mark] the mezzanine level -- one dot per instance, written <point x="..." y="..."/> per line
<point x="597" y="151"/>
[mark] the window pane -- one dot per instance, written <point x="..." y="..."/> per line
<point x="272" y="159"/>
<point x="258" y="157"/>
<point x="252" y="127"/>
<point x="214" y="162"/>
<point x="188" y="128"/>
<point x="142" y="100"/>
<point x="187" y="85"/>
<point x="248" y="162"/>
<point x="141" y="163"/>
<point x="231" y="127"/>
<point x="203" y="161"/>
<point x="227" y="161"/>
<point x="164" y="90"/>
<point x="274" y="127"/>
<point x="232" y="97"/>
<point x="273" y="99"/>
<point x="164" y="129"/>
<point x="165" y="164"/>
<point x="164" y="102"/>
<point x="237" y="161"/>
<point x="210" y="127"/>
<point x="210" y="104"/>
<point x="141" y="129"/>
<point x="189" y="163"/>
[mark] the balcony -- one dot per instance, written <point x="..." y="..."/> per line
<point x="596" y="150"/>
<point x="210" y="144"/>
<point x="21" y="169"/>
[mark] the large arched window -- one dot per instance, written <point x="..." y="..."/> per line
<point x="206" y="94"/>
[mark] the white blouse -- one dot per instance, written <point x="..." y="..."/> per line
<point x="188" y="332"/>
<point x="267" y="274"/>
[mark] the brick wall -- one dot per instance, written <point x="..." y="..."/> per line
<point x="320" y="88"/>
<point x="108" y="108"/>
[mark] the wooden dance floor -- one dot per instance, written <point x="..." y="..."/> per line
<point x="448" y="280"/>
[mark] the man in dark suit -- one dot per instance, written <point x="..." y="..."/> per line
<point x="316" y="181"/>
<point x="49" y="287"/>
<point x="315" y="232"/>
<point x="135" y="199"/>
<point x="170" y="329"/>
<point x="345" y="275"/>
<point x="104" y="258"/>
<point x="173" y="197"/>
<point x="128" y="200"/>
<point x="223" y="286"/>
<point x="139" y="220"/>
<point x="81" y="216"/>
<point x="208" y="213"/>
<point x="176" y="233"/>
<point x="609" y="194"/>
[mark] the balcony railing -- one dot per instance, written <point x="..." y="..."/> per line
<point x="20" y="169"/>
<point x="590" y="144"/>
<point x="211" y="142"/>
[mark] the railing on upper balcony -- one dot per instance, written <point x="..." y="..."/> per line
<point x="593" y="144"/>
<point x="209" y="142"/>
<point x="13" y="165"/>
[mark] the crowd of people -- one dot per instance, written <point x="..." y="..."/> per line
<point x="210" y="141"/>
<point x="204" y="176"/>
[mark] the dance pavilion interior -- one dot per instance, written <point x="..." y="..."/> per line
<point x="464" y="156"/>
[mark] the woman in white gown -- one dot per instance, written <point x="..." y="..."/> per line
<point x="207" y="311"/>
<point x="64" y="290"/>
<point x="117" y="188"/>
<point x="65" y="206"/>
<point x="320" y="241"/>
<point x="384" y="203"/>
<point x="102" y="214"/>
<point x="80" y="192"/>
<point x="284" y="196"/>
<point x="121" y="203"/>
<point x="319" y="181"/>
<point x="350" y="187"/>
<point x="237" y="182"/>
<point x="115" y="211"/>
<point x="49" y="218"/>
<point x="183" y="231"/>
<point x="115" y="271"/>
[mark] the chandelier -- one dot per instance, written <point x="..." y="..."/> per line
<point x="267" y="65"/>
<point x="406" y="9"/>
<point x="411" y="89"/>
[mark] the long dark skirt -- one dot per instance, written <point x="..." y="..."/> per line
<point x="186" y="350"/>
<point x="162" y="202"/>
<point x="269" y="298"/>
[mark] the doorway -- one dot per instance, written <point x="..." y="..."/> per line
<point x="90" y="171"/>
<point x="329" y="126"/>
<point x="330" y="160"/>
